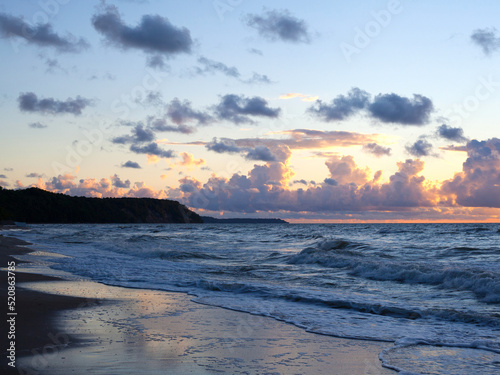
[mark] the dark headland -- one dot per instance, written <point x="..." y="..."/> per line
<point x="37" y="206"/>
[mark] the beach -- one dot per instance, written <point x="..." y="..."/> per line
<point x="77" y="326"/>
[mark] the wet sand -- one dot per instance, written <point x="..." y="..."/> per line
<point x="82" y="327"/>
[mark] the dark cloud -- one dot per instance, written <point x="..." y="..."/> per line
<point x="223" y="146"/>
<point x="261" y="153"/>
<point x="478" y="185"/>
<point x="8" y="169"/>
<point x="237" y="109"/>
<point x="141" y="141"/>
<point x="151" y="149"/>
<point x="161" y="125"/>
<point x="330" y="181"/>
<point x="452" y="134"/>
<point x="279" y="25"/>
<point x="303" y="182"/>
<point x="182" y="112"/>
<point x="487" y="39"/>
<point x="34" y="175"/>
<point x="37" y="125"/>
<point x="420" y="148"/>
<point x="342" y="106"/>
<point x="41" y="35"/>
<point x="376" y="149"/>
<point x="211" y="66"/>
<point x="139" y="134"/>
<point x="154" y="34"/>
<point x="3" y="176"/>
<point x="29" y="102"/>
<point x="392" y="108"/>
<point x="117" y="182"/>
<point x="131" y="164"/>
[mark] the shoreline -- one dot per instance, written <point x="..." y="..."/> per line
<point x="86" y="327"/>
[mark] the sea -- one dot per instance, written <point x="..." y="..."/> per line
<point x="430" y="290"/>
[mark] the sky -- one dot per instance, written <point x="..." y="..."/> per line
<point x="332" y="111"/>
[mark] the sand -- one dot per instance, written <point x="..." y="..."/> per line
<point x="82" y="327"/>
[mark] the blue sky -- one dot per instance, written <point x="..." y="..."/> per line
<point x="434" y="63"/>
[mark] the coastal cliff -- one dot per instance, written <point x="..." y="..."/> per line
<point x="35" y="205"/>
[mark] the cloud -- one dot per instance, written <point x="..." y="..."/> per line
<point x="152" y="98"/>
<point x="117" y="182"/>
<point x="182" y="112"/>
<point x="156" y="62"/>
<point x="478" y="185"/>
<point x="223" y="146"/>
<point x="261" y="153"/>
<point x="41" y="35"/>
<point x="342" y="106"/>
<point x="344" y="170"/>
<point x="251" y="150"/>
<point x="294" y="139"/>
<point x="105" y="187"/>
<point x="377" y="150"/>
<point x="211" y="66"/>
<point x="258" y="78"/>
<point x="420" y="148"/>
<point x="37" y="125"/>
<point x="53" y="66"/>
<point x="238" y="109"/>
<point x="454" y="148"/>
<point x="154" y="35"/>
<point x="139" y="135"/>
<point x="3" y="176"/>
<point x="487" y="39"/>
<point x="160" y="124"/>
<point x="279" y="25"/>
<point x="388" y="108"/>
<point x="452" y="134"/>
<point x="188" y="160"/>
<point x="33" y="175"/>
<point x="265" y="188"/>
<point x="141" y="141"/>
<point x="131" y="164"/>
<point x="151" y="149"/>
<point x="303" y="97"/>
<point x="392" y="108"/>
<point x="29" y="102"/>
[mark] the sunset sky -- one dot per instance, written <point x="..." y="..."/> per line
<point x="325" y="111"/>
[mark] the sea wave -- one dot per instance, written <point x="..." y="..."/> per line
<point x="340" y="253"/>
